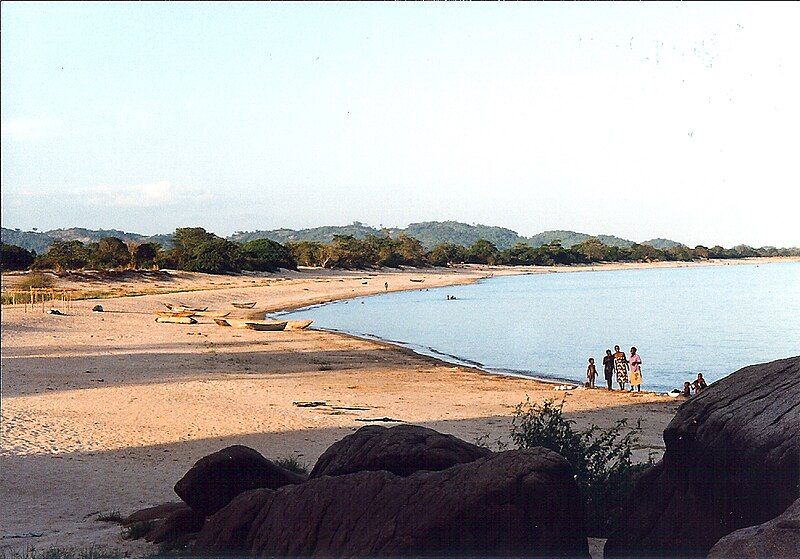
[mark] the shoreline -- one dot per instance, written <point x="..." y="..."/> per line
<point x="106" y="411"/>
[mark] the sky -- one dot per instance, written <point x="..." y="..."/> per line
<point x="675" y="120"/>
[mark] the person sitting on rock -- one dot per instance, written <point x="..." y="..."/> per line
<point x="699" y="384"/>
<point x="687" y="389"/>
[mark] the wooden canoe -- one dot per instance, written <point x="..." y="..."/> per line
<point x="263" y="326"/>
<point x="243" y="305"/>
<point x="416" y="280"/>
<point x="222" y="322"/>
<point x="176" y="319"/>
<point x="298" y="324"/>
<point x="174" y="314"/>
<point x="181" y="308"/>
<point x="212" y="314"/>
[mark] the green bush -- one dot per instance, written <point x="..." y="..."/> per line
<point x="292" y="464"/>
<point x="601" y="458"/>
<point x="35" y="280"/>
<point x="13" y="257"/>
<point x="266" y="255"/>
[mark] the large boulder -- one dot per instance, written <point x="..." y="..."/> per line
<point x="402" y="450"/>
<point x="511" y="504"/>
<point x="217" y="478"/>
<point x="777" y="539"/>
<point x="732" y="460"/>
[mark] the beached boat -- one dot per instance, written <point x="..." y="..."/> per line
<point x="222" y="322"/>
<point x="416" y="280"/>
<point x="176" y="319"/>
<point x="298" y="324"/>
<point x="212" y="314"/>
<point x="181" y="308"/>
<point x="243" y="305"/>
<point x="174" y="314"/>
<point x="264" y="326"/>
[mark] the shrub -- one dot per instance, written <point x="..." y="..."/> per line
<point x="35" y="280"/>
<point x="110" y="252"/>
<point x="266" y="255"/>
<point x="145" y="255"/>
<point x="292" y="464"/>
<point x="13" y="257"/>
<point x="64" y="255"/>
<point x="600" y="458"/>
<point x="138" y="530"/>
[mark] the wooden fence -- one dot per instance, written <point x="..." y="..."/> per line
<point x="40" y="298"/>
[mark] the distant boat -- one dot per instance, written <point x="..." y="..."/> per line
<point x="264" y="326"/>
<point x="212" y="314"/>
<point x="416" y="280"/>
<point x="222" y="322"/>
<point x="181" y="307"/>
<point x="243" y="305"/>
<point x="176" y="319"/>
<point x="298" y="324"/>
<point x="174" y="314"/>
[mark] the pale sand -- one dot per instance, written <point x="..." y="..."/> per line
<point x="104" y="412"/>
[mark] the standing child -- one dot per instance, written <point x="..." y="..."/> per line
<point x="591" y="372"/>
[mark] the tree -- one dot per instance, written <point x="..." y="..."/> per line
<point x="345" y="251"/>
<point x="13" y="257"/>
<point x="110" y="252"/>
<point x="446" y="254"/>
<point x="197" y="250"/>
<point x="64" y="255"/>
<point x="267" y="255"/>
<point x="411" y="251"/>
<point x="592" y="249"/>
<point x="307" y="253"/>
<point x="145" y="255"/>
<point x="482" y="252"/>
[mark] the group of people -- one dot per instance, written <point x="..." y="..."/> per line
<point x="627" y="369"/>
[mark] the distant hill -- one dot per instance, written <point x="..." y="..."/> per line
<point x="432" y="233"/>
<point x="571" y="238"/>
<point x="320" y="234"/>
<point x="662" y="243"/>
<point x="429" y="233"/>
<point x="41" y="241"/>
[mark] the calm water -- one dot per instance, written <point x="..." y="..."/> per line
<point x="712" y="320"/>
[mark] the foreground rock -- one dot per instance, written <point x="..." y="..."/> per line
<point x="402" y="450"/>
<point x="778" y="539"/>
<point x="512" y="504"/>
<point x="732" y="460"/>
<point x="217" y="478"/>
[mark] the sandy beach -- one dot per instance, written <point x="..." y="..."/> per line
<point x="105" y="411"/>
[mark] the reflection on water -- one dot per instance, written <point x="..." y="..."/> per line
<point x="712" y="320"/>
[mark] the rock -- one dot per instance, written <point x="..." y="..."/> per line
<point x="778" y="539"/>
<point x="176" y="526"/>
<point x="217" y="478"/>
<point x="402" y="450"/>
<point x="97" y="308"/>
<point x="732" y="460"/>
<point x="155" y="513"/>
<point x="226" y="532"/>
<point x="510" y="504"/>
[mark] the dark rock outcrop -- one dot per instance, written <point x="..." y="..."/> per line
<point x="179" y="525"/>
<point x="732" y="460"/>
<point x="217" y="478"/>
<point x="402" y="450"/>
<point x="512" y="504"/>
<point x="777" y="539"/>
<point x="154" y="513"/>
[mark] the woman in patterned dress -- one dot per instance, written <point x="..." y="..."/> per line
<point x="621" y="367"/>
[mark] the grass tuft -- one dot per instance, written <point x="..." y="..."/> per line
<point x="292" y="464"/>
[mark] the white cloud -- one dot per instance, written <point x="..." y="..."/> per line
<point x="152" y="194"/>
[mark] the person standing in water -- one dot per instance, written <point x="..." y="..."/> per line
<point x="635" y="363"/>
<point x="608" y="368"/>
<point x="621" y="367"/>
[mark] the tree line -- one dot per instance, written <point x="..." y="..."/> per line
<point x="195" y="249"/>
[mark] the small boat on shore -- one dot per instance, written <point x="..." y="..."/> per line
<point x="243" y="304"/>
<point x="222" y="322"/>
<point x="176" y="319"/>
<point x="415" y="280"/>
<point x="298" y="324"/>
<point x="174" y="314"/>
<point x="181" y="308"/>
<point x="212" y="314"/>
<point x="264" y="326"/>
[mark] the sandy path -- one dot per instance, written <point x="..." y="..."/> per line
<point x="105" y="411"/>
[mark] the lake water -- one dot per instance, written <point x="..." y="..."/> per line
<point x="713" y="319"/>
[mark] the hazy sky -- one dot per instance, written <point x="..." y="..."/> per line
<point x="640" y="120"/>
